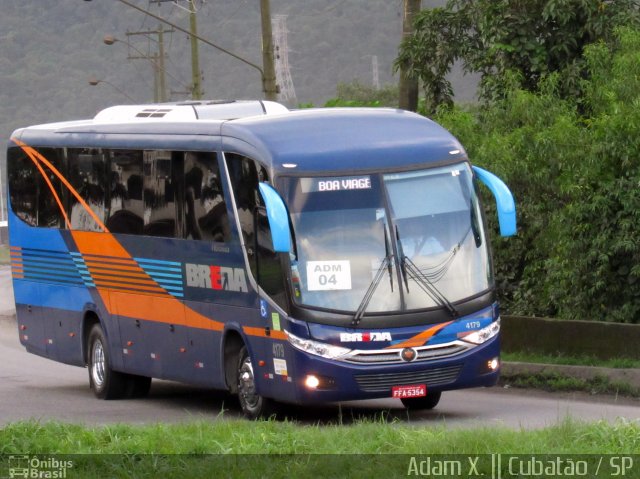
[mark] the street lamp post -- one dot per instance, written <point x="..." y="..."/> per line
<point x="157" y="61"/>
<point x="95" y="82"/>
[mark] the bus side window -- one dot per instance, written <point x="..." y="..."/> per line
<point x="31" y="196"/>
<point x="245" y="175"/>
<point x="87" y="174"/>
<point x="125" y="210"/>
<point x="205" y="209"/>
<point x="159" y="196"/>
<point x="23" y="186"/>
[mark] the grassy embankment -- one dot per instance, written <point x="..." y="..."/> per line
<point x="244" y="444"/>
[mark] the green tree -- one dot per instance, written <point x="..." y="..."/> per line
<point x="505" y="40"/>
<point x="573" y="167"/>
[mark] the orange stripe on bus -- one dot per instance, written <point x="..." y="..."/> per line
<point x="142" y="288"/>
<point x="420" y="339"/>
<point x="161" y="309"/>
<point x="89" y="242"/>
<point x="113" y="278"/>
<point x="262" y="332"/>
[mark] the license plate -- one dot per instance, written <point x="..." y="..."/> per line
<point x="414" y="391"/>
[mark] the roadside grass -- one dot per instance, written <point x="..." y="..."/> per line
<point x="4" y="254"/>
<point x="367" y="436"/>
<point x="365" y="448"/>
<point x="583" y="360"/>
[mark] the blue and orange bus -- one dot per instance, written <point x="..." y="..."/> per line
<point x="283" y="256"/>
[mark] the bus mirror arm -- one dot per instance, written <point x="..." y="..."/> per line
<point x="278" y="218"/>
<point x="504" y="200"/>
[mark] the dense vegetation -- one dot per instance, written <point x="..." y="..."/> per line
<point x="572" y="163"/>
<point x="559" y="85"/>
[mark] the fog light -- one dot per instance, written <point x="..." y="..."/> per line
<point x="311" y="381"/>
<point x="493" y="364"/>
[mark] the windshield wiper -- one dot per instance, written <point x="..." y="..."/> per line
<point x="410" y="270"/>
<point x="386" y="263"/>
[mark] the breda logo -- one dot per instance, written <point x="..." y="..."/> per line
<point x="216" y="277"/>
<point x="364" y="337"/>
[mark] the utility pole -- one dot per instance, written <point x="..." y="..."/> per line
<point x="196" y="74"/>
<point x="156" y="59"/>
<point x="375" y="72"/>
<point x="269" y="78"/>
<point x="408" y="87"/>
<point x="196" y="94"/>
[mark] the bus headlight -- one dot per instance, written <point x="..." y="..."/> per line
<point x="315" y="347"/>
<point x="483" y="335"/>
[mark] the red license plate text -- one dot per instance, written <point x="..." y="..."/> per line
<point x="414" y="391"/>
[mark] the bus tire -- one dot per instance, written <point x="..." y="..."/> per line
<point x="429" y="401"/>
<point x="252" y="404"/>
<point x="105" y="382"/>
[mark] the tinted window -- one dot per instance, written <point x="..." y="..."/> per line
<point x="32" y="197"/>
<point x="87" y="172"/>
<point x="205" y="209"/>
<point x="23" y="187"/>
<point x="245" y="175"/>
<point x="159" y="197"/>
<point x="125" y="210"/>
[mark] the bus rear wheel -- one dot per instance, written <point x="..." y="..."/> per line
<point x="252" y="404"/>
<point x="429" y="401"/>
<point x="105" y="382"/>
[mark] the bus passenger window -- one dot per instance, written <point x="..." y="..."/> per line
<point x="159" y="201"/>
<point x="23" y="186"/>
<point x="204" y="206"/>
<point x="87" y="172"/>
<point x="125" y="209"/>
<point x="31" y="196"/>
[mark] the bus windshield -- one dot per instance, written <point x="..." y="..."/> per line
<point x="415" y="237"/>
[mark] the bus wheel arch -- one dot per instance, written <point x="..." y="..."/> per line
<point x="90" y="319"/>
<point x="233" y="343"/>
<point x="240" y="378"/>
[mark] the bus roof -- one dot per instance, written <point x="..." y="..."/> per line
<point x="312" y="141"/>
<point x="338" y="139"/>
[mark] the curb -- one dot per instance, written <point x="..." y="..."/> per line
<point x="615" y="375"/>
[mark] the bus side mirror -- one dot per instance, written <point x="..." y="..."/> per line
<point x="278" y="218"/>
<point x="504" y="201"/>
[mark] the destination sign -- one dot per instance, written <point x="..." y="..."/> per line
<point x="343" y="183"/>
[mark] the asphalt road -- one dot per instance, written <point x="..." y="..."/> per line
<point x="36" y="388"/>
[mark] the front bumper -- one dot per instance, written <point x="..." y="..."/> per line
<point x="341" y="381"/>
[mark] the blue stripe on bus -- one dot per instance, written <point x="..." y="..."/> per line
<point x="157" y="261"/>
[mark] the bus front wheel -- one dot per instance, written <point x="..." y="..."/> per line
<point x="429" y="401"/>
<point x="106" y="383"/>
<point x="252" y="404"/>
